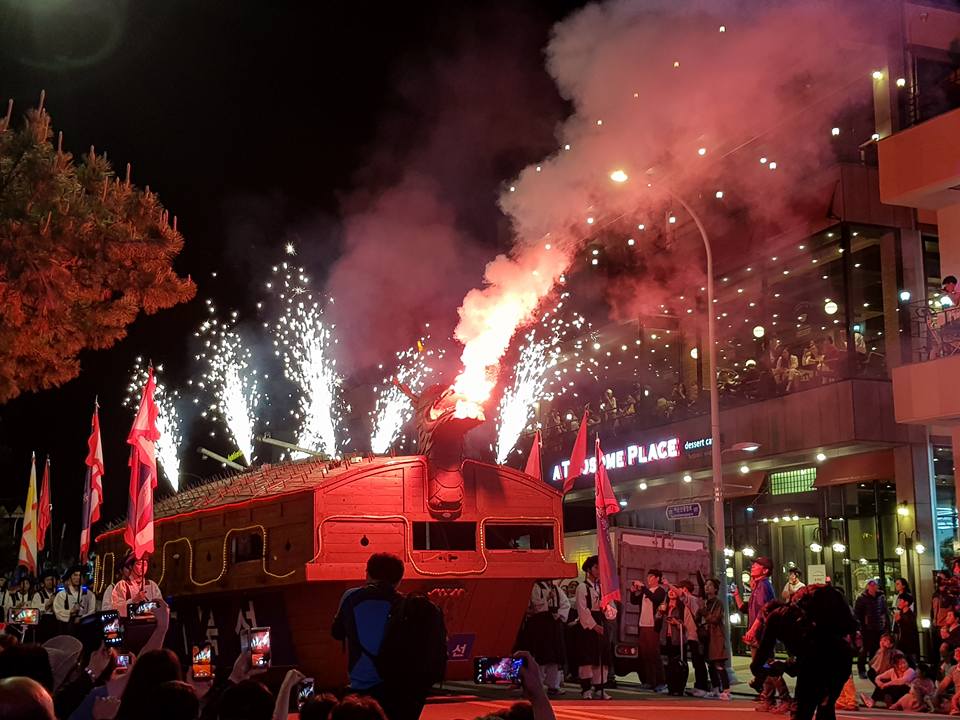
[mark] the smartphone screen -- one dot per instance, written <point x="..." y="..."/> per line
<point x="23" y="616"/>
<point x="257" y="642"/>
<point x="304" y="691"/>
<point x="112" y="628"/>
<point x="202" y="662"/>
<point x="141" y="609"/>
<point x="497" y="670"/>
<point x="123" y="661"/>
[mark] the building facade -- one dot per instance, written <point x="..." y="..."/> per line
<point x="819" y="331"/>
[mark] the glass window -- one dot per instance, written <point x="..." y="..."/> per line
<point x="792" y="481"/>
<point x="946" y="502"/>
<point x="444" y="536"/>
<point x="519" y="537"/>
<point x="866" y="302"/>
<point x="245" y="547"/>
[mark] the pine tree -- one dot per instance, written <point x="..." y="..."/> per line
<point x="81" y="254"/>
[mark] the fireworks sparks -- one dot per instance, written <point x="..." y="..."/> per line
<point x="169" y="422"/>
<point x="304" y="342"/>
<point x="517" y="404"/>
<point x="232" y="381"/>
<point x="393" y="409"/>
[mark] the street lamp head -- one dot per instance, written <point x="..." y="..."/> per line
<point x="619" y="176"/>
<point x="747" y="446"/>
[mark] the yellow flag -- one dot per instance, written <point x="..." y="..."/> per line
<point x="28" y="541"/>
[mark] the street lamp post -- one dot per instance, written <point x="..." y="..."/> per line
<point x="716" y="463"/>
<point x="619" y="176"/>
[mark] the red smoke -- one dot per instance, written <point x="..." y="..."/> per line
<point x="681" y="98"/>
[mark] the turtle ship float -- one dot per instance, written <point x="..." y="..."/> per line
<point x="278" y="545"/>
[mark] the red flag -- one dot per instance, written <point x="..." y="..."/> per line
<point x="533" y="468"/>
<point x="606" y="505"/>
<point x="143" y="473"/>
<point x="44" y="508"/>
<point x="93" y="485"/>
<point x="578" y="457"/>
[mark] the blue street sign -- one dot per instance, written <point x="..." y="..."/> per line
<point x="684" y="510"/>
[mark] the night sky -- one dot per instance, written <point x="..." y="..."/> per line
<point x="259" y="123"/>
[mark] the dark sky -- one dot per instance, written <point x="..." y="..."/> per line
<point x="256" y="122"/>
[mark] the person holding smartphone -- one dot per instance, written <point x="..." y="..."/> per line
<point x="134" y="586"/>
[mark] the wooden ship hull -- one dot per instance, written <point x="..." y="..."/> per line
<point x="278" y="546"/>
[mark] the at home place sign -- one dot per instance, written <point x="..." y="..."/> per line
<point x="658" y="451"/>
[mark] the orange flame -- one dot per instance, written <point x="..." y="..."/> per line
<point x="490" y="316"/>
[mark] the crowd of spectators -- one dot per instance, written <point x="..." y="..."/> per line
<point x="779" y="370"/>
<point x="59" y="678"/>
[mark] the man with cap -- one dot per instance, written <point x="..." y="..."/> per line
<point x="74" y="602"/>
<point x="870" y="610"/>
<point x="134" y="586"/>
<point x="46" y="593"/>
<point x="593" y="647"/>
<point x="761" y="593"/>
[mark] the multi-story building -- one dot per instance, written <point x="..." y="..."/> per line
<point x="823" y="469"/>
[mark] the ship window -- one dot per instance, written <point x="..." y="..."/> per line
<point x="245" y="547"/>
<point x="444" y="536"/>
<point x="519" y="537"/>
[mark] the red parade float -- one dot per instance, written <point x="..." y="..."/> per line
<point x="278" y="546"/>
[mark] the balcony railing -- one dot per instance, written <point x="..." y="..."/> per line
<point x="934" y="330"/>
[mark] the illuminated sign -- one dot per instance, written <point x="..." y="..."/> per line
<point x="700" y="444"/>
<point x="684" y="510"/>
<point x="630" y="455"/>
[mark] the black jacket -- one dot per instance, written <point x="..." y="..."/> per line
<point x="656" y="596"/>
<point x="907" y="637"/>
<point x="871" y="612"/>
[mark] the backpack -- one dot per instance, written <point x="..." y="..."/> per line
<point x="413" y="654"/>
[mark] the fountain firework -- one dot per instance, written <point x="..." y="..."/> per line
<point x="232" y="381"/>
<point x="530" y="378"/>
<point x="304" y="342"/>
<point x="518" y="400"/>
<point x="393" y="409"/>
<point x="169" y="423"/>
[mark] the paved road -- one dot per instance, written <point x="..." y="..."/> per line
<point x="632" y="709"/>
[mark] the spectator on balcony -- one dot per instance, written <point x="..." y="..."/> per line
<point x="786" y="373"/>
<point x="629" y="405"/>
<point x="812" y="360"/>
<point x="679" y="395"/>
<point x="832" y="359"/>
<point x="556" y="422"/>
<point x="949" y="287"/>
<point x="609" y="405"/>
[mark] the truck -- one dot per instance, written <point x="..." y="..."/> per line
<point x="637" y="550"/>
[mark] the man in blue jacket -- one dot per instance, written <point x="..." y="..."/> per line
<point x="362" y="619"/>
